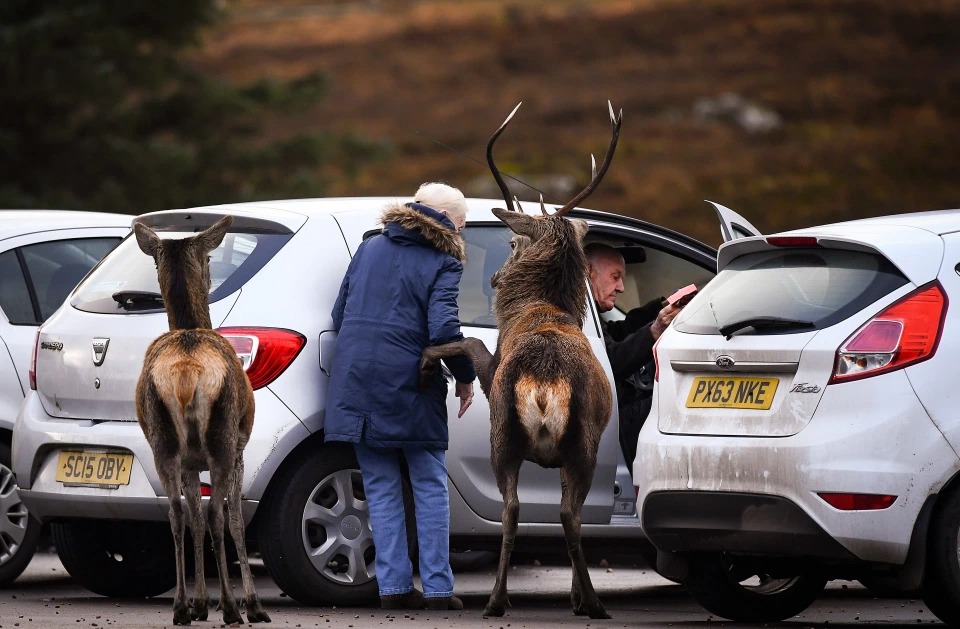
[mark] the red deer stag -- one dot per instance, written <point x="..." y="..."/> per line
<point x="195" y="406"/>
<point x="549" y="398"/>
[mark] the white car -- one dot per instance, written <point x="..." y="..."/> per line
<point x="806" y="420"/>
<point x="43" y="254"/>
<point x="83" y="464"/>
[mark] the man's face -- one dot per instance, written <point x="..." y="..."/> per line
<point x="606" y="281"/>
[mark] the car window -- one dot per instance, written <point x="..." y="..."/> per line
<point x="487" y="249"/>
<point x="37" y="278"/>
<point x="128" y="271"/>
<point x="819" y="287"/>
<point x="14" y="294"/>
<point x="658" y="275"/>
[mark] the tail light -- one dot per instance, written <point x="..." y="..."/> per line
<point x="33" y="361"/>
<point x="906" y="333"/>
<point x="857" y="502"/>
<point x="264" y="352"/>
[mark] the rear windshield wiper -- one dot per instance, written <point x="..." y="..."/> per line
<point x="766" y="323"/>
<point x="132" y="298"/>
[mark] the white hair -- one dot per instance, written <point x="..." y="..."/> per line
<point x="442" y="198"/>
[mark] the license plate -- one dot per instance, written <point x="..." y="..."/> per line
<point x="732" y="392"/>
<point x="108" y="469"/>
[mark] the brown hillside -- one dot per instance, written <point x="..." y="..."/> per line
<point x="866" y="94"/>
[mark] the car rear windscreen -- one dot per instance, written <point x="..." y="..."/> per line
<point x="126" y="281"/>
<point x="789" y="290"/>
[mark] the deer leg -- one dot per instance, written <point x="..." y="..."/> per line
<point x="575" y="482"/>
<point x="470" y="347"/>
<point x="507" y="470"/>
<point x="220" y="471"/>
<point x="169" y="471"/>
<point x="255" y="611"/>
<point x="191" y="491"/>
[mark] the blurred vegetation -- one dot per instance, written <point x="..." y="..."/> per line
<point x="99" y="111"/>
<point x="792" y="112"/>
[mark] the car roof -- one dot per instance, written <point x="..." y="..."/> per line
<point x="935" y="221"/>
<point x="898" y="237"/>
<point x="19" y="222"/>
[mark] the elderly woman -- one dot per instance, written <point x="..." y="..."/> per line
<point x="399" y="296"/>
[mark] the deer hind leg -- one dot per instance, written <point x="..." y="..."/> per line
<point x="255" y="611"/>
<point x="220" y="471"/>
<point x="168" y="468"/>
<point x="506" y="466"/>
<point x="575" y="482"/>
<point x="191" y="491"/>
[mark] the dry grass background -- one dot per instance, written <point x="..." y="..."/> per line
<point x="868" y="93"/>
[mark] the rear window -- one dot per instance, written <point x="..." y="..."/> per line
<point x="789" y="290"/>
<point x="126" y="281"/>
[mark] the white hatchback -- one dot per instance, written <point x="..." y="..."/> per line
<point x="43" y="254"/>
<point x="805" y="421"/>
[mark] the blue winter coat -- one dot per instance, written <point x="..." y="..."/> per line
<point x="399" y="296"/>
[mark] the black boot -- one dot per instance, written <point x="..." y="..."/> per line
<point x="411" y="600"/>
<point x="444" y="602"/>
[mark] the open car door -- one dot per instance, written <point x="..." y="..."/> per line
<point x="732" y="225"/>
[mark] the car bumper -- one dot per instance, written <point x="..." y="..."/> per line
<point x="857" y="442"/>
<point x="39" y="439"/>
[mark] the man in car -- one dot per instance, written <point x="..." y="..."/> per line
<point x="629" y="342"/>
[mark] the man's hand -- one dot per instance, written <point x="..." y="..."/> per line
<point x="465" y="393"/>
<point x="664" y="317"/>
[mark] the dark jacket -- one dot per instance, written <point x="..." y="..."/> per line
<point x="399" y="295"/>
<point x="629" y="344"/>
<point x="629" y="341"/>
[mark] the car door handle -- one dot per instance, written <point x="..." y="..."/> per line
<point x="328" y="338"/>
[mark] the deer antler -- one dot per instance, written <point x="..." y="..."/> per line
<point x="493" y="167"/>
<point x="596" y="176"/>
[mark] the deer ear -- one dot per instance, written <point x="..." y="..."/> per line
<point x="579" y="227"/>
<point x="211" y="237"/>
<point x="518" y="222"/>
<point x="147" y="239"/>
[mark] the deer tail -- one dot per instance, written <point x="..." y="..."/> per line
<point x="185" y="379"/>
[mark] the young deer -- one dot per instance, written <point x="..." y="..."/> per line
<point x="549" y="397"/>
<point x="195" y="406"/>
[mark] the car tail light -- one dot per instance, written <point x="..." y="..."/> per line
<point x="264" y="352"/>
<point x="906" y="333"/>
<point x="33" y="361"/>
<point x="792" y="241"/>
<point x="857" y="502"/>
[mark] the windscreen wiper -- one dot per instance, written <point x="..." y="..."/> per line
<point x="766" y="323"/>
<point x="129" y="299"/>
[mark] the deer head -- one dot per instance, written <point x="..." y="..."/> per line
<point x="534" y="227"/>
<point x="183" y="271"/>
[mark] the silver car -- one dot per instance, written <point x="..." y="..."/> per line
<point x="43" y="254"/>
<point x="83" y="464"/>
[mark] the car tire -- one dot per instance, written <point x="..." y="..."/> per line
<point x="314" y="529"/>
<point x="724" y="586"/>
<point x="19" y="531"/>
<point x="941" y="583"/>
<point x="127" y="559"/>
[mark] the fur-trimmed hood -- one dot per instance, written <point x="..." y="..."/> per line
<point x="434" y="228"/>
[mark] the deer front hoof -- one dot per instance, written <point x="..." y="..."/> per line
<point x="255" y="612"/>
<point x="494" y="609"/>
<point x="181" y="615"/>
<point x="598" y="612"/>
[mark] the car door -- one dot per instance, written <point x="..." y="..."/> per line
<point x="37" y="272"/>
<point x="671" y="260"/>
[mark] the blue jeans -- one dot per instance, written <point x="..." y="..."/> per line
<point x="381" y="482"/>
